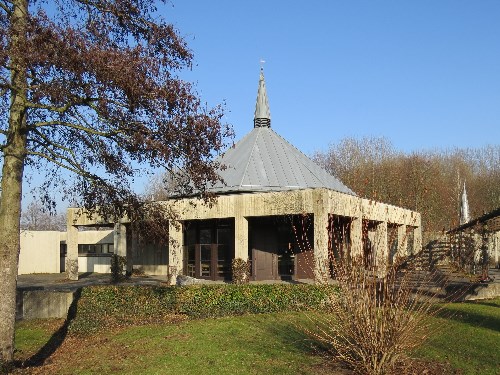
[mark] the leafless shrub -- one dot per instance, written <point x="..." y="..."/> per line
<point x="382" y="309"/>
<point x="376" y="321"/>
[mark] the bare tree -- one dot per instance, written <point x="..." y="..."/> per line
<point x="163" y="186"/>
<point x="36" y="217"/>
<point x="89" y="88"/>
<point x="426" y="181"/>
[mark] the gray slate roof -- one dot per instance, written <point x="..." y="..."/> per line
<point x="263" y="161"/>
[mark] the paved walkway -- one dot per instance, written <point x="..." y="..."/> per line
<point x="59" y="282"/>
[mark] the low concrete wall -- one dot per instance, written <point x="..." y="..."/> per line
<point x="152" y="269"/>
<point x="42" y="304"/>
<point x="483" y="291"/>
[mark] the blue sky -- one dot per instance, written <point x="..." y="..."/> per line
<point x="424" y="74"/>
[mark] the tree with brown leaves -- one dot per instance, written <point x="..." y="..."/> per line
<point x="89" y="88"/>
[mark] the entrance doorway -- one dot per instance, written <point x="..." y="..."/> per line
<point x="281" y="247"/>
<point x="208" y="248"/>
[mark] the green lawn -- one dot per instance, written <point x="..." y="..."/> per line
<point x="250" y="344"/>
<point x="468" y="337"/>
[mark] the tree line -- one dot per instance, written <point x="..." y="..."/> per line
<point x="427" y="181"/>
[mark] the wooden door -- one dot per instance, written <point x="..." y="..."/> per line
<point x="265" y="265"/>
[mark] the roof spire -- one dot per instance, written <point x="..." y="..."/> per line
<point x="464" y="207"/>
<point x="262" y="117"/>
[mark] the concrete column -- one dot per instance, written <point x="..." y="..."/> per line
<point x="402" y="241"/>
<point x="133" y="249"/>
<point x="241" y="237"/>
<point x="175" y="250"/>
<point x="357" y="237"/>
<point x="120" y="240"/>
<point x="496" y="248"/>
<point x="120" y="243"/>
<point x="417" y="240"/>
<point x="320" y="212"/>
<point x="71" y="265"/>
<point x="381" y="249"/>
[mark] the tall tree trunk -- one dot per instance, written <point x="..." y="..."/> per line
<point x="12" y="176"/>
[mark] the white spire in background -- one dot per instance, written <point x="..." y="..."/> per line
<point x="464" y="207"/>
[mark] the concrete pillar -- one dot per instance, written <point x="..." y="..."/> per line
<point x="120" y="243"/>
<point x="496" y="248"/>
<point x="133" y="249"/>
<point x="320" y="212"/>
<point x="120" y="240"/>
<point x="381" y="249"/>
<point x="357" y="237"/>
<point x="417" y="240"/>
<point x="175" y="250"/>
<point x="71" y="266"/>
<point x="402" y="241"/>
<point x="241" y="237"/>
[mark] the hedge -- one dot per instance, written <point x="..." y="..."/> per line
<point x="101" y="307"/>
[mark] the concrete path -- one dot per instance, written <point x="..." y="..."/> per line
<point x="59" y="282"/>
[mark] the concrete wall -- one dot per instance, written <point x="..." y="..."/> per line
<point x="94" y="264"/>
<point x="99" y="264"/>
<point x="42" y="304"/>
<point x="40" y="252"/>
<point x="320" y="202"/>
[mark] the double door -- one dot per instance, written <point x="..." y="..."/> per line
<point x="208" y="250"/>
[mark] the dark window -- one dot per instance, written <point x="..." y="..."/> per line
<point x="95" y="249"/>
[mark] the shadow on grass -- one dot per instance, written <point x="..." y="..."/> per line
<point x="295" y="333"/>
<point x="55" y="340"/>
<point x="473" y="318"/>
<point x="487" y="303"/>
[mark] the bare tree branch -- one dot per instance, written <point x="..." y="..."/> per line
<point x="86" y="129"/>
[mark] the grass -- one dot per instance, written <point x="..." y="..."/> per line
<point x="250" y="344"/>
<point x="468" y="337"/>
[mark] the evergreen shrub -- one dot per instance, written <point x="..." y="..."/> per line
<point x="108" y="306"/>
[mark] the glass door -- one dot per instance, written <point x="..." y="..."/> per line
<point x="223" y="252"/>
<point x="205" y="252"/>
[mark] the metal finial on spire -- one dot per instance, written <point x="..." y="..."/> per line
<point x="464" y="207"/>
<point x="262" y="117"/>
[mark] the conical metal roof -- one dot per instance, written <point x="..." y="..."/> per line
<point x="264" y="161"/>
